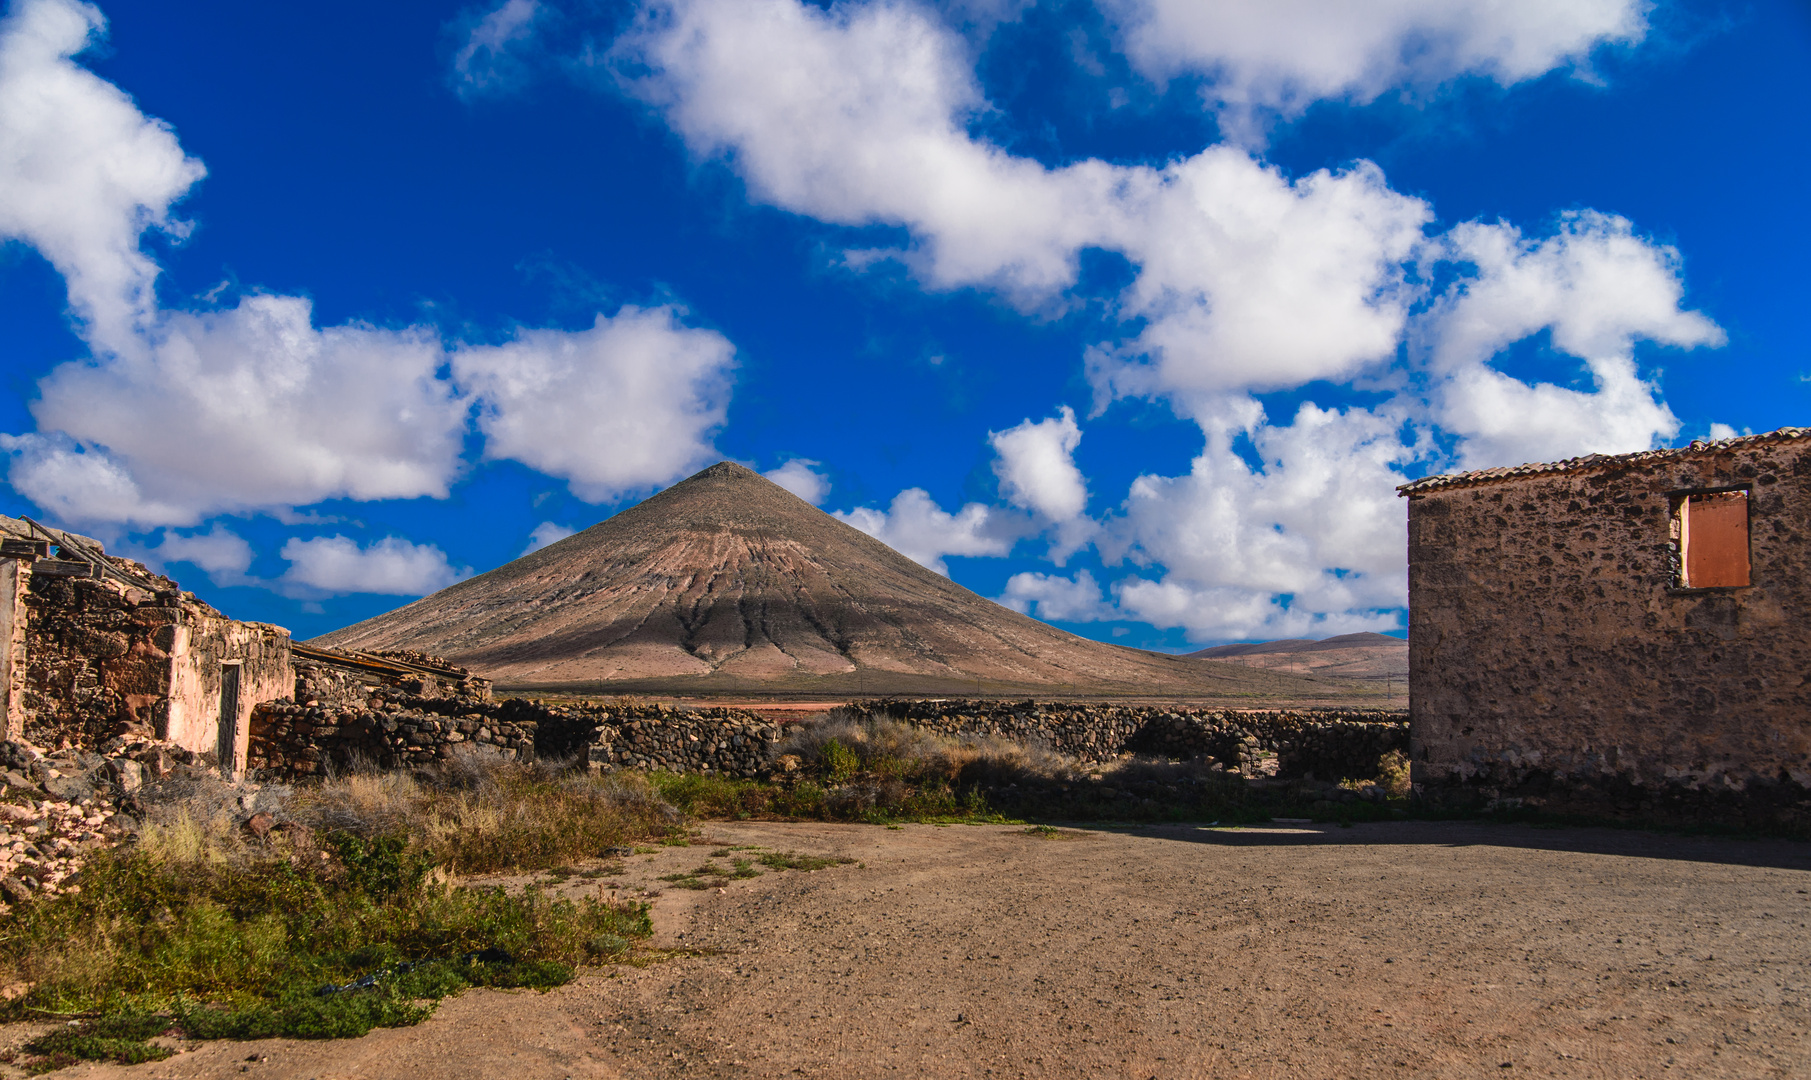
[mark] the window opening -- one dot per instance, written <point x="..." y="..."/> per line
<point x="1713" y="540"/>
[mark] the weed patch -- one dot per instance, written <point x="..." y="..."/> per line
<point x="119" y="1039"/>
<point x="201" y="930"/>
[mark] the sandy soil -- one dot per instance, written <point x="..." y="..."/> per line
<point x="1407" y="949"/>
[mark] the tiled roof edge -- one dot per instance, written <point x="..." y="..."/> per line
<point x="1593" y="461"/>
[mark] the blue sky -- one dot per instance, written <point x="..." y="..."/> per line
<point x="1128" y="313"/>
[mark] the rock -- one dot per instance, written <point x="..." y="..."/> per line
<point x="20" y="756"/>
<point x="15" y="891"/>
<point x="126" y="774"/>
<point x="16" y="779"/>
<point x="73" y="789"/>
<point x="260" y="824"/>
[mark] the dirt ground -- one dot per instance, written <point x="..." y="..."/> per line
<point x="1403" y="949"/>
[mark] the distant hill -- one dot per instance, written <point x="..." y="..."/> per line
<point x="727" y="583"/>
<point x="1349" y="656"/>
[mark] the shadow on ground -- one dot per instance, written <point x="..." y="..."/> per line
<point x="1629" y="843"/>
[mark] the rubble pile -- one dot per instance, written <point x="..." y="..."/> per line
<point x="59" y="806"/>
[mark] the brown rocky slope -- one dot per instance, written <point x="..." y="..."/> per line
<point x="727" y="583"/>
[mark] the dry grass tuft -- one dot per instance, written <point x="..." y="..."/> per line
<point x="478" y="813"/>
<point x="845" y="745"/>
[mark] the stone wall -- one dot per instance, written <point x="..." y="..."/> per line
<point x="96" y="657"/>
<point x="101" y="657"/>
<point x="290" y="740"/>
<point x="348" y="721"/>
<point x="394" y="730"/>
<point x="732" y="742"/>
<point x="1328" y="744"/>
<point x="1556" y="663"/>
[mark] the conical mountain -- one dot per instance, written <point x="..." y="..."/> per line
<point x="726" y="582"/>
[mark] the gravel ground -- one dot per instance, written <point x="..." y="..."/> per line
<point x="1404" y="949"/>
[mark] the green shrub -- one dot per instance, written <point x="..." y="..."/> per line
<point x="840" y="763"/>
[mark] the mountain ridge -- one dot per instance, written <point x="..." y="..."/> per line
<point x="1350" y="656"/>
<point x="726" y="582"/>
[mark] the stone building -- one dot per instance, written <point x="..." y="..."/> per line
<point x="97" y="646"/>
<point x="1618" y="635"/>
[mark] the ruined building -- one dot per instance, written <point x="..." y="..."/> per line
<point x="1618" y="635"/>
<point x="96" y="646"/>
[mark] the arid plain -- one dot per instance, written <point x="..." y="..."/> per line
<point x="1430" y="949"/>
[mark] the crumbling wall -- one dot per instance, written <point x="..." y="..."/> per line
<point x="208" y="648"/>
<point x="97" y="657"/>
<point x="329" y="687"/>
<point x="102" y="657"/>
<point x="1556" y="663"/>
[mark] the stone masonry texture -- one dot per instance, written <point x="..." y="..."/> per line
<point x="1557" y="664"/>
<point x="348" y="724"/>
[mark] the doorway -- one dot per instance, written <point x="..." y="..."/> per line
<point x="228" y="749"/>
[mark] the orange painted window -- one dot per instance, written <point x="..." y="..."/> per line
<point x="1713" y="540"/>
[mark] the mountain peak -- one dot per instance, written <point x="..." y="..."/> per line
<point x="727" y="582"/>
<point x="726" y="470"/>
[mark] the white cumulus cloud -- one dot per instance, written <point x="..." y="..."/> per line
<point x="251" y="406"/>
<point x="180" y="414"/>
<point x="1035" y="463"/>
<point x="1261" y="58"/>
<point x="1249" y="281"/>
<point x="858" y="115"/>
<point x="1056" y="598"/>
<point x="630" y="403"/>
<point x="916" y="527"/>
<point x="82" y="171"/>
<point x="855" y="115"/>
<point x="1315" y="518"/>
<point x="222" y="554"/>
<point x="1036" y="466"/>
<point x="801" y="477"/>
<point x="545" y="533"/>
<point x="1598" y="288"/>
<point x="337" y="565"/>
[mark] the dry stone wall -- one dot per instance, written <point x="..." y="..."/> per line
<point x="291" y="740"/>
<point x="398" y="730"/>
<point x="351" y="722"/>
<point x="1328" y="744"/>
<point x="731" y="742"/>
